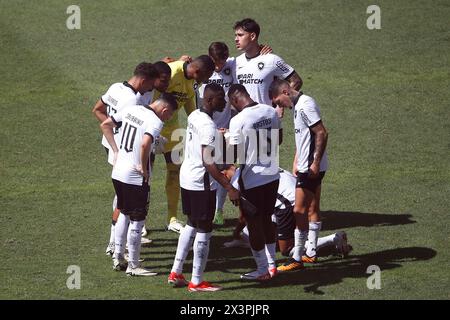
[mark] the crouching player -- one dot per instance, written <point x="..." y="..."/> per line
<point x="284" y="219"/>
<point x="141" y="125"/>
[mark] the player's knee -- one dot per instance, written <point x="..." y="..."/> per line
<point x="299" y="211"/>
<point x="138" y="215"/>
<point x="204" y="226"/>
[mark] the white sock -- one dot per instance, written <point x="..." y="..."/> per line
<point x="326" y="241"/>
<point x="313" y="235"/>
<point x="120" y="235"/>
<point x="299" y="244"/>
<point x="201" y="250"/>
<point x="271" y="253"/>
<point x="221" y="196"/>
<point x="185" y="241"/>
<point x="134" y="242"/>
<point x="262" y="265"/>
<point x="111" y="235"/>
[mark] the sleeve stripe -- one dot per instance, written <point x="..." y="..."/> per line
<point x="290" y="75"/>
<point x="114" y="120"/>
<point x="315" y="123"/>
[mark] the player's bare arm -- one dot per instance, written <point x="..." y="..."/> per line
<point x="184" y="57"/>
<point x="212" y="169"/>
<point x="295" y="82"/>
<point x="99" y="111"/>
<point x="294" y="164"/>
<point x="321" y="138"/>
<point x="146" y="145"/>
<point x="107" y="127"/>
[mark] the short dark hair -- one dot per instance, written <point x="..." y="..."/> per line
<point x="146" y="70"/>
<point x="169" y="99"/>
<point x="237" y="88"/>
<point x="214" y="87"/>
<point x="162" y="68"/>
<point x="248" y="25"/>
<point x="205" y="63"/>
<point x="218" y="51"/>
<point x="275" y="87"/>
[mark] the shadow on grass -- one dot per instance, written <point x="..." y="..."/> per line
<point x="334" y="220"/>
<point x="333" y="271"/>
<point x="329" y="271"/>
<point x="341" y="220"/>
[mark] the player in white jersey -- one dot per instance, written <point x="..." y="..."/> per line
<point x="284" y="219"/>
<point x="255" y="132"/>
<point x="198" y="176"/>
<point x="310" y="165"/>
<point x="223" y="75"/>
<point x="119" y="95"/>
<point x="131" y="173"/>
<point x="255" y="71"/>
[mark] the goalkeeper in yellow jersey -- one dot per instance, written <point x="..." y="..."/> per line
<point x="185" y="77"/>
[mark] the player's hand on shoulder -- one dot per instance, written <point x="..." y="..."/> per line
<point x="265" y="49"/>
<point x="185" y="58"/>
<point x="168" y="59"/>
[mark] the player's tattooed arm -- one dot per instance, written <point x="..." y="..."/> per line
<point x="321" y="139"/>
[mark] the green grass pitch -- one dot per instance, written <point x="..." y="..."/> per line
<point x="384" y="96"/>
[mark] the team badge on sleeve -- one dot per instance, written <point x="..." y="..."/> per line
<point x="282" y="66"/>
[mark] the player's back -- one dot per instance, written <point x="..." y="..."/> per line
<point x="201" y="131"/>
<point x="118" y="96"/>
<point x="136" y="121"/>
<point x="255" y="130"/>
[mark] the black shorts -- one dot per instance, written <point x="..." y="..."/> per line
<point x="304" y="182"/>
<point x="132" y="199"/>
<point x="199" y="205"/>
<point x="263" y="197"/>
<point x="285" y="223"/>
